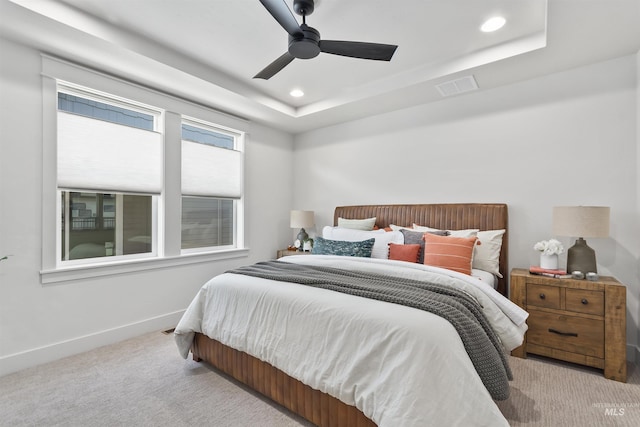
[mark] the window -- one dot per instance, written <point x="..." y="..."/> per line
<point x="143" y="177"/>
<point x="102" y="111"/>
<point x="206" y="222"/>
<point x="207" y="137"/>
<point x="211" y="185"/>
<point x="109" y="176"/>
<point x="96" y="225"/>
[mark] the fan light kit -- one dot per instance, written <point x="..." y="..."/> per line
<point x="305" y="42"/>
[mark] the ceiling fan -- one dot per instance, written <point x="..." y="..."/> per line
<point x="305" y="42"/>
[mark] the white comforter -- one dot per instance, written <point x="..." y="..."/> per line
<point x="400" y="366"/>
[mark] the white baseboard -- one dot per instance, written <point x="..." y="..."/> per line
<point x="37" y="356"/>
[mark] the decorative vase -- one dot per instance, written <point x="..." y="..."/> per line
<point x="549" y="261"/>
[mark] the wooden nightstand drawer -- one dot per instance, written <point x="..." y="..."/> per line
<point x="543" y="296"/>
<point x="572" y="334"/>
<point x="579" y="321"/>
<point x="584" y="301"/>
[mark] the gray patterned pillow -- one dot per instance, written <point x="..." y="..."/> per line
<point x="413" y="237"/>
<point x="322" y="246"/>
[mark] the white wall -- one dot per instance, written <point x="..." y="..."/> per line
<point x="564" y="139"/>
<point x="39" y="322"/>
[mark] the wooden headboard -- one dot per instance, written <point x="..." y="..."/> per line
<point x="454" y="216"/>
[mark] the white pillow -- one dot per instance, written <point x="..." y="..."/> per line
<point x="472" y="232"/>
<point x="357" y="224"/>
<point x="486" y="255"/>
<point x="399" y="227"/>
<point x="381" y="245"/>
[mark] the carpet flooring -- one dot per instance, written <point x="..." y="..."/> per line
<point x="144" y="382"/>
<point x="546" y="392"/>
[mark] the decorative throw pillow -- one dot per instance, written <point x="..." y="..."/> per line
<point x="408" y="253"/>
<point x="486" y="255"/>
<point x="415" y="237"/>
<point x="453" y="253"/>
<point x="322" y="246"/>
<point x="380" y="247"/>
<point x="375" y="227"/>
<point x="357" y="224"/>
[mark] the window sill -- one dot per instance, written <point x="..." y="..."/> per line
<point x="100" y="270"/>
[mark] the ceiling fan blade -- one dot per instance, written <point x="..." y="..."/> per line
<point x="273" y="68"/>
<point x="375" y="51"/>
<point x="281" y="12"/>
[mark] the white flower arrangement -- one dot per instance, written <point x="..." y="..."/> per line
<point x="549" y="247"/>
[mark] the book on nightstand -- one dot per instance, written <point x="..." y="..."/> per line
<point x="558" y="274"/>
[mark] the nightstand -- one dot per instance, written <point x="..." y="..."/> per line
<point x="578" y="321"/>
<point x="287" y="252"/>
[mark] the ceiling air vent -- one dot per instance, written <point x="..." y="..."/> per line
<point x="454" y="87"/>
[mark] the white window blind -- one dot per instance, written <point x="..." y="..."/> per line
<point x="211" y="171"/>
<point x="95" y="154"/>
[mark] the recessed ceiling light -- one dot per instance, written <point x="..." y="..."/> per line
<point x="296" y="93"/>
<point x="493" y="24"/>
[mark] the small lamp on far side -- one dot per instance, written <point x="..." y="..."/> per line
<point x="302" y="219"/>
<point x="581" y="222"/>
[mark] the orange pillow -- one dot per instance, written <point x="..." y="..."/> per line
<point x="453" y="253"/>
<point x="409" y="253"/>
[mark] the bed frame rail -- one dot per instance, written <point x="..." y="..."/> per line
<point x="317" y="407"/>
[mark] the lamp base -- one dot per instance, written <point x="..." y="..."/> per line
<point x="580" y="257"/>
<point x="302" y="237"/>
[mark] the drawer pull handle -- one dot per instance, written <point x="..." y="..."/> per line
<point x="584" y="301"/>
<point x="565" y="334"/>
<point x="542" y="296"/>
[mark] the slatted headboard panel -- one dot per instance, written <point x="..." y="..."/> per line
<point x="454" y="216"/>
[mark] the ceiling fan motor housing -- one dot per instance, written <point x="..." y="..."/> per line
<point x="307" y="45"/>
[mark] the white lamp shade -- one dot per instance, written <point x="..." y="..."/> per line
<point x="581" y="221"/>
<point x="302" y="219"/>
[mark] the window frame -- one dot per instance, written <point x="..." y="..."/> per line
<point x="168" y="220"/>
<point x="62" y="263"/>
<point x="158" y="127"/>
<point x="238" y="138"/>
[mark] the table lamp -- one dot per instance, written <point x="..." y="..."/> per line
<point x="302" y="219"/>
<point x="581" y="222"/>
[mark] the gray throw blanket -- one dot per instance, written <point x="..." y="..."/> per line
<point x="458" y="307"/>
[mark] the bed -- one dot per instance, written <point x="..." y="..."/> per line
<point x="388" y="376"/>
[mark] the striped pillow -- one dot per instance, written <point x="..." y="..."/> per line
<point x="453" y="253"/>
<point x="415" y="237"/>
